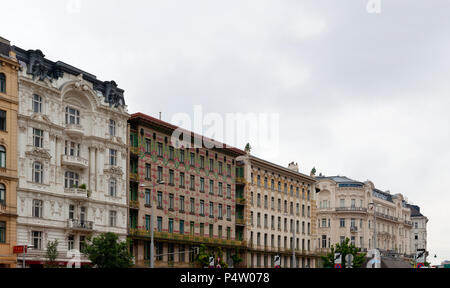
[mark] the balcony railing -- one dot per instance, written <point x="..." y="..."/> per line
<point x="240" y="180"/>
<point x="134" y="150"/>
<point x="387" y="217"/>
<point x="134" y="177"/>
<point x="240" y="221"/>
<point x="77" y="193"/>
<point x="134" y="204"/>
<point x="409" y="223"/>
<point x="80" y="225"/>
<point x="354" y="229"/>
<point x="351" y="209"/>
<point x="240" y="200"/>
<point x="74" y="161"/>
<point x="187" y="238"/>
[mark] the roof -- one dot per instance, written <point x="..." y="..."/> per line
<point x="415" y="211"/>
<point x="284" y="169"/>
<point x="339" y="179"/>
<point x="170" y="128"/>
<point x="42" y="68"/>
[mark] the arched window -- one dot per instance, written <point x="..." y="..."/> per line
<point x="37" y="172"/>
<point x="37" y="103"/>
<point x="71" y="179"/>
<point x="112" y="187"/>
<point x="2" y="83"/>
<point x="2" y="194"/>
<point x="2" y="157"/>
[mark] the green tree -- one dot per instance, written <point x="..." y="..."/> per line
<point x="344" y="248"/>
<point x="236" y="258"/>
<point x="202" y="257"/>
<point x="219" y="254"/>
<point x="107" y="251"/>
<point x="52" y="254"/>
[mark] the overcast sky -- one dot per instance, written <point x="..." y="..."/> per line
<point x="358" y="94"/>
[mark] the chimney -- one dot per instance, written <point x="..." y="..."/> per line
<point x="293" y="166"/>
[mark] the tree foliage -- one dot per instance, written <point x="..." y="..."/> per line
<point x="344" y="248"/>
<point x="203" y="256"/>
<point x="52" y="253"/>
<point x="107" y="251"/>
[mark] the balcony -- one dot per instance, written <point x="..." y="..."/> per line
<point x="408" y="223"/>
<point x="77" y="193"/>
<point x="351" y="209"/>
<point x="78" y="225"/>
<point x="134" y="177"/>
<point x="240" y="221"/>
<point x="240" y="201"/>
<point x="353" y="229"/>
<point x="74" y="130"/>
<point x="186" y="238"/>
<point x="387" y="217"/>
<point x="74" y="161"/>
<point x="240" y="180"/>
<point x="134" y="150"/>
<point x="134" y="204"/>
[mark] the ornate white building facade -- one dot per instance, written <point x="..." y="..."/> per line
<point x="72" y="157"/>
<point x="345" y="209"/>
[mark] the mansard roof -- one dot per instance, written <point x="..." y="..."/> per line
<point x="40" y="67"/>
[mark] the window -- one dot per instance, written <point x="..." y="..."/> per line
<point x="38" y="138"/>
<point x="228" y="191"/>
<point x="192" y="162"/>
<point x="342" y="222"/>
<point x="160" y="200"/>
<point x="160" y="174"/>
<point x="202" y="229"/>
<point x="72" y="116"/>
<point x="2" y="157"/>
<point x="353" y="203"/>
<point x="229" y="213"/>
<point x="211" y="209"/>
<point x="2" y="232"/>
<point x="192" y="205"/>
<point x="147" y="222"/>
<point x="202" y="184"/>
<point x="37" y="104"/>
<point x="229" y="170"/>
<point x="71" y="212"/>
<point x="112" y="127"/>
<point x="2" y="194"/>
<point x="148" y="171"/>
<point x="211" y="165"/>
<point x="220" y="168"/>
<point x="2" y="83"/>
<point x="220" y="211"/>
<point x="182" y="156"/>
<point x="220" y="231"/>
<point x="192" y="182"/>
<point x="112" y="218"/>
<point x="202" y="208"/>
<point x="211" y="187"/>
<point x="171" y="153"/>
<point x="182" y="227"/>
<point x="71" y="179"/>
<point x="192" y="228"/>
<point x="342" y="202"/>
<point x="211" y="230"/>
<point x="202" y="162"/>
<point x="71" y="148"/>
<point x="148" y="145"/>
<point x="2" y="120"/>
<point x="220" y="189"/>
<point x="112" y="187"/>
<point x="147" y="197"/>
<point x="37" y="208"/>
<point x="112" y="157"/>
<point x="71" y="242"/>
<point x="182" y="180"/>
<point x="171" y="177"/>
<point x="181" y="203"/>
<point x="36" y="238"/>
<point x="160" y="149"/>
<point x="228" y="233"/>
<point x="170" y="225"/>
<point x="159" y="224"/>
<point x="171" y="202"/>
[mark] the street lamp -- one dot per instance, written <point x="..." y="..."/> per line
<point x="159" y="182"/>
<point x="374" y="224"/>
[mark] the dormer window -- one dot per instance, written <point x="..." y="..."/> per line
<point x="112" y="127"/>
<point x="37" y="104"/>
<point x="72" y="116"/>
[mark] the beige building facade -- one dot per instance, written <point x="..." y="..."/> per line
<point x="279" y="213"/>
<point x="9" y="68"/>
<point x="357" y="210"/>
<point x="419" y="231"/>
